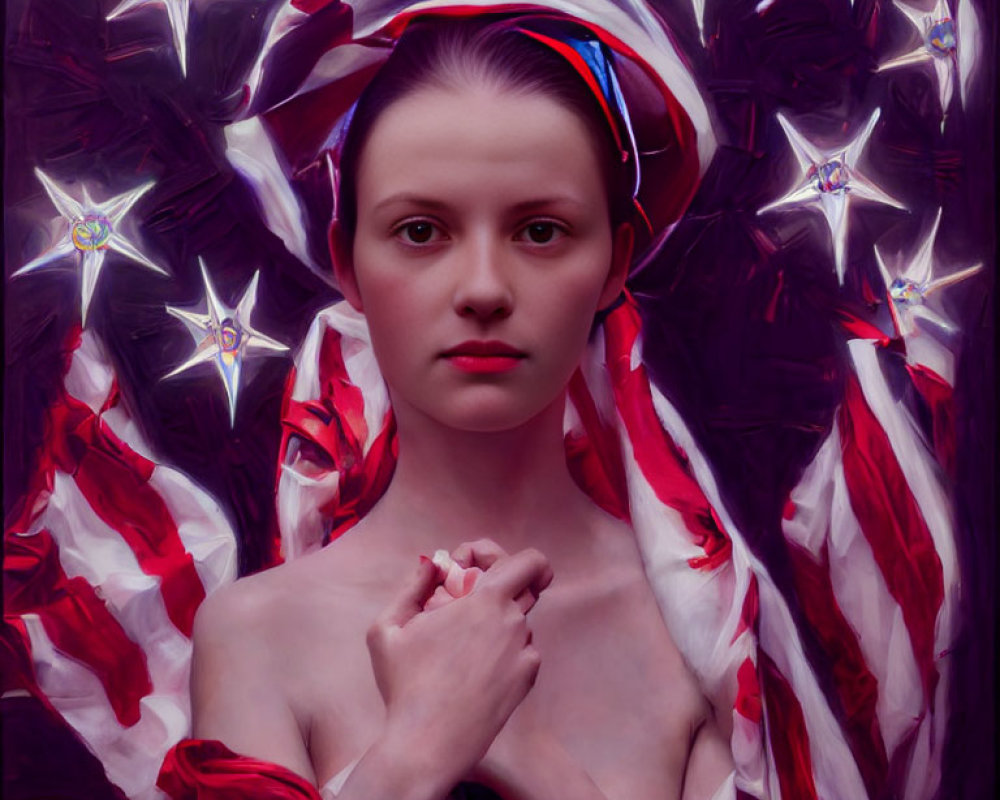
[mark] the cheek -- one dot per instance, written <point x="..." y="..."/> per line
<point x="568" y="310"/>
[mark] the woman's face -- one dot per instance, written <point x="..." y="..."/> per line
<point x="483" y="249"/>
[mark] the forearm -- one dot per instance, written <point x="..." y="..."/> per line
<point x="399" y="766"/>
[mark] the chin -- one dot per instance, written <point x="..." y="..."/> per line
<point x="490" y="411"/>
<point x="488" y="420"/>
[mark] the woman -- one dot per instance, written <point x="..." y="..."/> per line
<point x="484" y="220"/>
<point x="601" y="643"/>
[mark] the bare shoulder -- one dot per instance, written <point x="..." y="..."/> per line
<point x="260" y="603"/>
<point x="319" y="587"/>
<point x="260" y="646"/>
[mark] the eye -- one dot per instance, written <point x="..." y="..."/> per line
<point x="418" y="231"/>
<point x="541" y="232"/>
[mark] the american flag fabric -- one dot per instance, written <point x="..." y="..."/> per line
<point x="106" y="560"/>
<point x="870" y="535"/>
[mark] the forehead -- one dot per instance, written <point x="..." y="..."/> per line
<point x="479" y="139"/>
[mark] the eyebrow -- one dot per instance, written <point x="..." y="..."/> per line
<point x="430" y="202"/>
<point x="413" y="199"/>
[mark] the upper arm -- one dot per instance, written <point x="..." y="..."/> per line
<point x="710" y="761"/>
<point x="237" y="697"/>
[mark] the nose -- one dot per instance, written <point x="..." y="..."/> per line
<point x="482" y="287"/>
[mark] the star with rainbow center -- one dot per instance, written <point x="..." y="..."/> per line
<point x="178" y="12"/>
<point x="831" y="179"/>
<point x="225" y="337"/>
<point x="91" y="230"/>
<point x="951" y="56"/>
<point x="907" y="289"/>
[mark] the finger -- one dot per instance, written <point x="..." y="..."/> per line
<point x="533" y="662"/>
<point x="440" y="597"/>
<point x="527" y="570"/>
<point x="482" y="553"/>
<point x="412" y="597"/>
<point x="459" y="582"/>
<point x="526" y="600"/>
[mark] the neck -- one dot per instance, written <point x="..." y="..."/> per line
<point x="454" y="486"/>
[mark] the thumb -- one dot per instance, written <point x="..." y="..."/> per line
<point x="412" y="597"/>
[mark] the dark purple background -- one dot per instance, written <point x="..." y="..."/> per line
<point x="105" y="103"/>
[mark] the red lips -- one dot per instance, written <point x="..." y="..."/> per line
<point x="481" y="357"/>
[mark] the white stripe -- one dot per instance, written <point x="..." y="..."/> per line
<point x="201" y="525"/>
<point x="90" y="549"/>
<point x="835" y="770"/>
<point x="131" y="756"/>
<point x="595" y="375"/>
<point x="823" y="516"/>
<point x="923" y="477"/>
<point x="359" y="361"/>
<point x="90" y="377"/>
<point x="249" y="150"/>
<point x="920" y="473"/>
<point x="863" y="596"/>
<point x="124" y="427"/>
<point x="299" y="501"/>
<point x="813" y="499"/>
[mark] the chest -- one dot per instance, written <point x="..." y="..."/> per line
<point x="612" y="689"/>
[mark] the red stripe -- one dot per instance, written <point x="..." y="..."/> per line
<point x="750" y="610"/>
<point x="197" y="769"/>
<point x="856" y="686"/>
<point x="361" y="487"/>
<point x="33" y="502"/>
<point x="786" y="729"/>
<point x="663" y="465"/>
<point x="939" y="396"/>
<point x="114" y="480"/>
<point x="16" y="667"/>
<point x="595" y="459"/>
<point x="337" y="389"/>
<point x="860" y="329"/>
<point x="893" y="525"/>
<point x="748" y="692"/>
<point x="15" y="658"/>
<point x="310" y="6"/>
<point x="335" y="422"/>
<point x="76" y="620"/>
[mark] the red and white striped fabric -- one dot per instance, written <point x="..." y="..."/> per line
<point x="105" y="562"/>
<point x="629" y="448"/>
<point x="869" y="532"/>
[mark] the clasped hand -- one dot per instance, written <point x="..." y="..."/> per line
<point x="451" y="674"/>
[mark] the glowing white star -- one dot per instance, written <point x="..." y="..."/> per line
<point x="831" y="179"/>
<point x="91" y="231"/>
<point x="225" y="336"/>
<point x="909" y="288"/>
<point x="953" y="57"/>
<point x="177" y="13"/>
